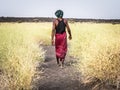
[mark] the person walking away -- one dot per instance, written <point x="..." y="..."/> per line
<point x="59" y="37"/>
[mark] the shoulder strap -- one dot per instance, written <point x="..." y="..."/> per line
<point x="59" y="20"/>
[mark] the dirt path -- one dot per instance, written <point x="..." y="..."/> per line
<point x="56" y="78"/>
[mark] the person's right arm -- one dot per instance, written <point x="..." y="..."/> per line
<point x="53" y="33"/>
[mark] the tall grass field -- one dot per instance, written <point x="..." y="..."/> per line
<point x="95" y="45"/>
<point x="19" y="55"/>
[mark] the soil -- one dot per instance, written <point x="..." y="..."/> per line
<point x="55" y="78"/>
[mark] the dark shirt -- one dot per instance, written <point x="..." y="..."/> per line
<point x="60" y="28"/>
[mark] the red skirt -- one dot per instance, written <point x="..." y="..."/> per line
<point x="61" y="45"/>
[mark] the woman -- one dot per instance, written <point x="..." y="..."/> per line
<point x="59" y="32"/>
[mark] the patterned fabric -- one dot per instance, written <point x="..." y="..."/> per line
<point x="59" y="13"/>
<point x="61" y="45"/>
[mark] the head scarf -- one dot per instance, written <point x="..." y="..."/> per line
<point x="59" y="13"/>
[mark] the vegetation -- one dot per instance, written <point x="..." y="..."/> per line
<point x="18" y="56"/>
<point x="97" y="47"/>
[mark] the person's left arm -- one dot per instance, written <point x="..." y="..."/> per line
<point x="68" y="29"/>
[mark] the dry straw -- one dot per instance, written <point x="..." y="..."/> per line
<point x="18" y="57"/>
<point x="98" y="48"/>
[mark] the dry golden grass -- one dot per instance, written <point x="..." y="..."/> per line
<point x="98" y="48"/>
<point x="19" y="54"/>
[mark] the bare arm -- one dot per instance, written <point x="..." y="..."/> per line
<point x="53" y="33"/>
<point x="68" y="29"/>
